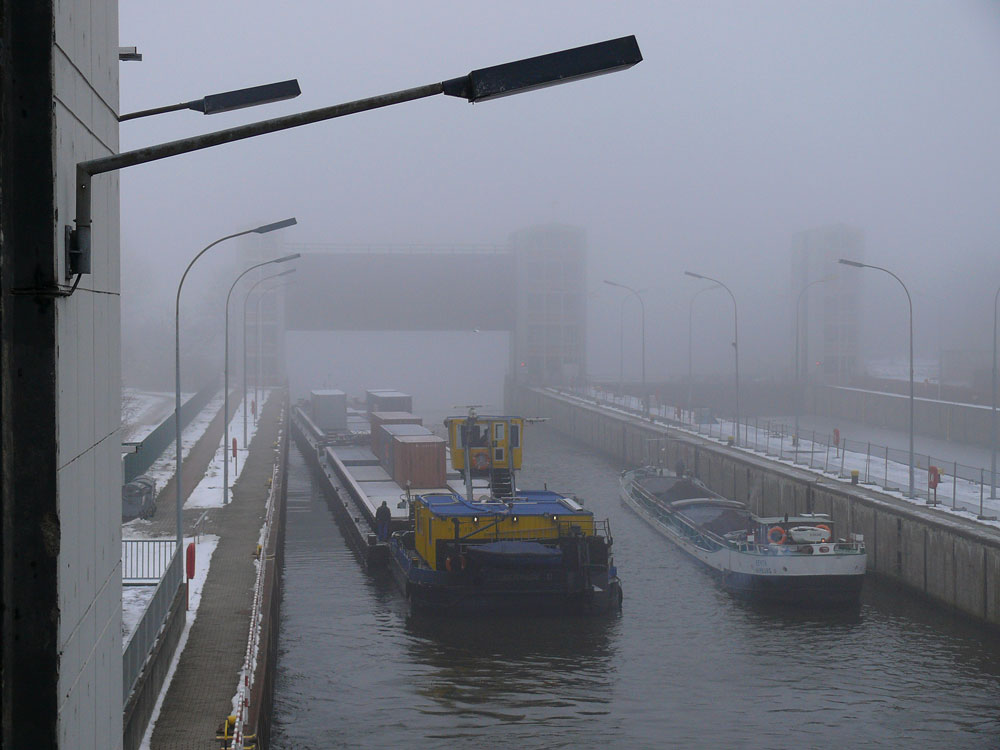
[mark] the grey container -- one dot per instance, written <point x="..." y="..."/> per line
<point x="383" y="399"/>
<point x="329" y="409"/>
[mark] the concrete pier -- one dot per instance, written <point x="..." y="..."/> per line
<point x="950" y="558"/>
<point x="200" y="694"/>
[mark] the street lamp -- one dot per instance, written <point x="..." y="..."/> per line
<point x="993" y="420"/>
<point x="479" y="85"/>
<point x="909" y="302"/>
<point x="799" y="387"/>
<point x="245" y="301"/>
<point x="264" y="229"/>
<point x="642" y="306"/>
<point x="228" y="101"/>
<point x="691" y="344"/>
<point x="225" y="385"/>
<point x="736" y="342"/>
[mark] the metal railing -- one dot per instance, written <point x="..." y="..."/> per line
<point x="148" y="629"/>
<point x="962" y="487"/>
<point x="144" y="561"/>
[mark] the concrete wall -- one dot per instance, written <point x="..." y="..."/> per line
<point x="963" y="423"/>
<point x="949" y="558"/>
<point x="61" y="404"/>
<point x="85" y="57"/>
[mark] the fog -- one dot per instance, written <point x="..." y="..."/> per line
<point x="746" y="123"/>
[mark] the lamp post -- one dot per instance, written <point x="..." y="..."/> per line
<point x="225" y="386"/>
<point x="621" y="346"/>
<point x="178" y="478"/>
<point x="799" y="386"/>
<point x="246" y="299"/>
<point x="993" y="413"/>
<point x="477" y="86"/>
<point x="909" y="302"/>
<point x="642" y="307"/>
<point x="690" y="399"/>
<point x="259" y="368"/>
<point x="736" y="342"/>
<point x="228" y="100"/>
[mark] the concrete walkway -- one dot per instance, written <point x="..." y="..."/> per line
<point x="200" y="694"/>
<point x="164" y="521"/>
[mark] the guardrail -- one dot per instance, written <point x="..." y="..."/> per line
<point x="144" y="561"/>
<point x="153" y="445"/>
<point x="144" y="636"/>
<point x="964" y="486"/>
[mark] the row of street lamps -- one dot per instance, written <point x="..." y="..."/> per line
<point x="798" y="374"/>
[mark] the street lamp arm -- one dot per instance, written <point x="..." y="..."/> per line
<point x="736" y="341"/>
<point x="486" y="83"/>
<point x="194" y="260"/>
<point x="909" y="302"/>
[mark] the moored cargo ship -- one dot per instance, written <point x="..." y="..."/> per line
<point x="789" y="559"/>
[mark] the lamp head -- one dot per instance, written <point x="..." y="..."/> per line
<point x="693" y="274"/>
<point x="853" y="263"/>
<point x="546" y="70"/>
<point x="276" y="225"/>
<point x="282" y="259"/>
<point x="251" y="97"/>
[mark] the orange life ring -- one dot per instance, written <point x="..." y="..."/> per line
<point x="480" y="461"/>
<point x="827" y="529"/>
<point x="776" y="538"/>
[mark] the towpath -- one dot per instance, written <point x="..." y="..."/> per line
<point x="201" y="691"/>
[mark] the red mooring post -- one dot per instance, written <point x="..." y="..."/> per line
<point x="189" y="571"/>
<point x="235" y="465"/>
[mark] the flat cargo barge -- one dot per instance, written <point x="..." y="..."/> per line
<point x="466" y="541"/>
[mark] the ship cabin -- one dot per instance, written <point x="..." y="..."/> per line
<point x="787" y="531"/>
<point x="490" y="443"/>
<point x="446" y="524"/>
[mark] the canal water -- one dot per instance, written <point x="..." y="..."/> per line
<point x="685" y="665"/>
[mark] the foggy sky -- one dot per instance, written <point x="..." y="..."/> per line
<point x="745" y="123"/>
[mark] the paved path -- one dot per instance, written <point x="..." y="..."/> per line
<point x="164" y="521"/>
<point x="201" y="692"/>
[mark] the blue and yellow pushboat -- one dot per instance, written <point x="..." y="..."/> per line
<point x="509" y="550"/>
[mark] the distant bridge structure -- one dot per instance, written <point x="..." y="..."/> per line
<point x="534" y="287"/>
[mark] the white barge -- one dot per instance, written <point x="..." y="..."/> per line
<point x="787" y="559"/>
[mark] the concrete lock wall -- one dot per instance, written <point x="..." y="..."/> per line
<point x="946" y="420"/>
<point x="951" y="559"/>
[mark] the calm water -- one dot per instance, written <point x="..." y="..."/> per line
<point x="684" y="665"/>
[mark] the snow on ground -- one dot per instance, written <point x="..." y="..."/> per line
<point x="891" y="477"/>
<point x="144" y="411"/>
<point x="208" y="493"/>
<point x="924" y="370"/>
<point x="205" y="547"/>
<point x="163" y="468"/>
<point x="135" y="599"/>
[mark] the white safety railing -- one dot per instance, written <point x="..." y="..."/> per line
<point x="144" y="561"/>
